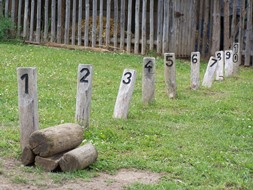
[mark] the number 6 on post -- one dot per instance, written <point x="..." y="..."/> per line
<point x="125" y="94"/>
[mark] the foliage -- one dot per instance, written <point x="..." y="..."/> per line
<point x="201" y="140"/>
<point x="5" y="25"/>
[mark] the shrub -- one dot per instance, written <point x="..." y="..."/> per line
<point x="5" y="25"/>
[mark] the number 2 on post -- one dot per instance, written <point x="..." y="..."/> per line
<point x="84" y="78"/>
<point x="128" y="78"/>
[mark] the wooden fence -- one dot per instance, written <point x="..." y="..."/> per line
<point x="137" y="26"/>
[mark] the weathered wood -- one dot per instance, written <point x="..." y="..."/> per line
<point x="25" y="27"/>
<point x="166" y="27"/>
<point x="226" y="26"/>
<point x="216" y="27"/>
<point x="19" y="16"/>
<point x="59" y="20"/>
<point x="52" y="140"/>
<point x="32" y="20"/>
<point x="205" y="28"/>
<point x="210" y="72"/>
<point x="50" y="163"/>
<point x="87" y="18"/>
<point x="13" y="4"/>
<point x="79" y="33"/>
<point x="195" y="67"/>
<point x="94" y="23"/>
<point x="27" y="157"/>
<point x="249" y="32"/>
<point x="137" y="27"/>
<point x="46" y="20"/>
<point x="6" y="9"/>
<point x="67" y="22"/>
<point x="228" y="63"/>
<point x="108" y="17"/>
<point x="83" y="98"/>
<point x="115" y="32"/>
<point x="170" y="74"/>
<point x="73" y="36"/>
<point x="125" y="94"/>
<point x="220" y="65"/>
<point x="122" y="24"/>
<point x="27" y="103"/>
<point x="151" y="33"/>
<point x="53" y="20"/>
<point x="148" y="80"/>
<point x="144" y="27"/>
<point x="38" y="29"/>
<point x="100" y="23"/>
<point x="1" y="8"/>
<point x="78" y="158"/>
<point x="241" y="27"/>
<point x="159" y="26"/>
<point x="236" y="58"/>
<point x="200" y="23"/>
<point x="129" y="25"/>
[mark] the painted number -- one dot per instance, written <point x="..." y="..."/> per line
<point x="25" y="76"/>
<point x="235" y="58"/>
<point x="228" y="55"/>
<point x="169" y="61"/>
<point x="194" y="58"/>
<point x="128" y="78"/>
<point x="214" y="61"/>
<point x="219" y="56"/>
<point x="235" y="48"/>
<point x="148" y="66"/>
<point x="84" y="78"/>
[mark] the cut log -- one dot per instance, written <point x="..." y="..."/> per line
<point x="48" y="164"/>
<point x="78" y="158"/>
<point x="50" y="141"/>
<point x="28" y="156"/>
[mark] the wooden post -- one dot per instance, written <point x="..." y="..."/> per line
<point x="148" y="80"/>
<point x="38" y="28"/>
<point x="122" y="24"/>
<point x="13" y="4"/>
<point x="46" y="20"/>
<point x="59" y="20"/>
<point x="6" y="9"/>
<point x="129" y="25"/>
<point x="67" y="22"/>
<point x="210" y="72"/>
<point x="28" y="103"/>
<point x="25" y="19"/>
<point x="216" y="27"/>
<point x="249" y="32"/>
<point x="226" y="25"/>
<point x="166" y="24"/>
<point x="79" y="33"/>
<point x="19" y="17"/>
<point x="87" y="19"/>
<point x="170" y="74"/>
<point x="236" y="57"/>
<point x="115" y="32"/>
<point x="94" y="24"/>
<point x="144" y="23"/>
<point x="100" y="23"/>
<point x="151" y="33"/>
<point x="78" y="158"/>
<point x="220" y="65"/>
<point x="137" y="27"/>
<point x="159" y="26"/>
<point x="228" y="63"/>
<point x="83" y="98"/>
<point x="125" y="94"/>
<point x="108" y="17"/>
<point x="53" y="20"/>
<point x="195" y="66"/>
<point x="73" y="37"/>
<point x="32" y="20"/>
<point x="206" y="28"/>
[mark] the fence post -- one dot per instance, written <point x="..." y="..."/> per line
<point x="137" y="27"/>
<point x="83" y="98"/>
<point x="27" y="103"/>
<point x="220" y="65"/>
<point x="210" y="72"/>
<point x="228" y="63"/>
<point x="94" y="24"/>
<point x="248" y="35"/>
<point x="170" y="74"/>
<point x="195" y="66"/>
<point x="38" y="28"/>
<point x="216" y="27"/>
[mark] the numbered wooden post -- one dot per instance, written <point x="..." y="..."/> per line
<point x="148" y="80"/>
<point x="236" y="57"/>
<point x="228" y="63"/>
<point x="170" y="74"/>
<point x="195" y="66"/>
<point x="125" y="94"/>
<point x="27" y="103"/>
<point x="83" y="98"/>
<point x="210" y="72"/>
<point x="220" y="65"/>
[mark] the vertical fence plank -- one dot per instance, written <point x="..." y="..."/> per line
<point x="108" y="17"/>
<point x="59" y="20"/>
<point x="87" y="19"/>
<point x="19" y="16"/>
<point x="53" y="20"/>
<point x="249" y="31"/>
<point x="172" y="27"/>
<point x="79" y="33"/>
<point x="216" y="27"/>
<point x="200" y="24"/>
<point x="1" y="7"/>
<point x="241" y="25"/>
<point x="73" y="35"/>
<point x="170" y="74"/>
<point x="46" y="20"/>
<point x="32" y="20"/>
<point x="67" y="22"/>
<point x="159" y="26"/>
<point x="6" y="9"/>
<point x="100" y="41"/>
<point x="115" y="32"/>
<point x="137" y="27"/>
<point x="94" y="23"/>
<point x="144" y="27"/>
<point x="27" y="104"/>
<point x="205" y="28"/>
<point x="151" y="19"/>
<point x="25" y="27"/>
<point x="226" y="25"/>
<point x="13" y="5"/>
<point x="129" y="26"/>
<point x="166" y="24"/>
<point x="122" y="24"/>
<point x="38" y="28"/>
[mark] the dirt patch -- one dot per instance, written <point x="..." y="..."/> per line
<point x="15" y="176"/>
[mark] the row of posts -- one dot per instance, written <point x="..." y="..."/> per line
<point x="223" y="63"/>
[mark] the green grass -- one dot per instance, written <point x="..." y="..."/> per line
<point x="201" y="140"/>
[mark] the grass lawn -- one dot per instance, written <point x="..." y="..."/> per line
<point x="201" y="140"/>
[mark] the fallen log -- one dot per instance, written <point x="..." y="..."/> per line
<point x="53" y="140"/>
<point x="78" y="158"/>
<point x="48" y="164"/>
<point x="27" y="157"/>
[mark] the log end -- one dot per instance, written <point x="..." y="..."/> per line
<point x="28" y="157"/>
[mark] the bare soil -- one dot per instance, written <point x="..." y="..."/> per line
<point x="13" y="175"/>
